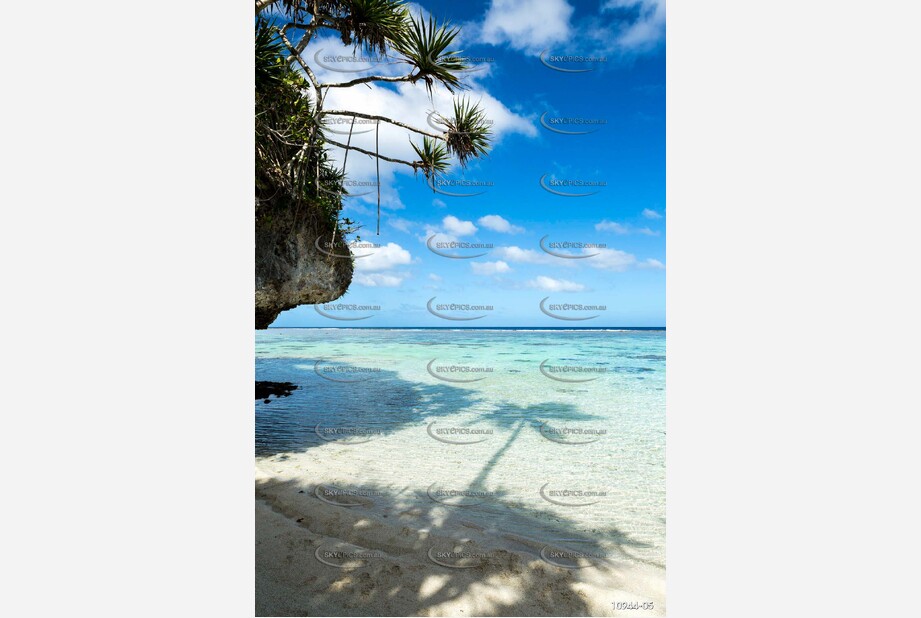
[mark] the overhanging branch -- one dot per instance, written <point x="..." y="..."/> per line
<point x="373" y="78"/>
<point x="415" y="165"/>
<point x="342" y="112"/>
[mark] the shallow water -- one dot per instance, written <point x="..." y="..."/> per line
<point x="514" y="441"/>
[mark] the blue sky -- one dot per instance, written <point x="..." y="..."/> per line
<point x="622" y="98"/>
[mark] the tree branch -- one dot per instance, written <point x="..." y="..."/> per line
<point x="342" y="112"/>
<point x="415" y="165"/>
<point x="309" y="30"/>
<point x="373" y="78"/>
<point x="300" y="61"/>
<point x="295" y="51"/>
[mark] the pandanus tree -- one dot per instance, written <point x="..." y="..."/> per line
<point x="291" y="144"/>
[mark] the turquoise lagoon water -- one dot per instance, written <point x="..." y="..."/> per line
<point x="515" y="450"/>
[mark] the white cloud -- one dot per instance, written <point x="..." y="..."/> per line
<point x="631" y="26"/>
<point x="498" y="224"/>
<point x="437" y="203"/>
<point x="651" y="214"/>
<point x="602" y="259"/>
<point x="647" y="30"/>
<point x="440" y="236"/>
<point x="529" y="25"/>
<point x="617" y="228"/>
<point x="455" y="226"/>
<point x="555" y="285"/>
<point x="651" y="263"/>
<point x="525" y="256"/>
<point x="378" y="280"/>
<point x="490" y="268"/>
<point x="611" y="259"/>
<point x="611" y="226"/>
<point x="369" y="271"/>
<point x="384" y="258"/>
<point x="434" y="277"/>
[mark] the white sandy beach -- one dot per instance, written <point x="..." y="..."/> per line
<point x="395" y="555"/>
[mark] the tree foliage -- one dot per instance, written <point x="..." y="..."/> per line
<point x="288" y="170"/>
<point x="291" y="146"/>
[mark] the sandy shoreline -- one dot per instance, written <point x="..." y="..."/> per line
<point x="402" y="557"/>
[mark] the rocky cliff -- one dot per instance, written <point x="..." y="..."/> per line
<point x="290" y="268"/>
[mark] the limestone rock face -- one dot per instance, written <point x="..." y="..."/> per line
<point x="291" y="270"/>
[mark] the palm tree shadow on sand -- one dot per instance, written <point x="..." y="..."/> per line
<point x="376" y="551"/>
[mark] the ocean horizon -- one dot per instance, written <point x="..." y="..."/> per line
<point x="490" y="328"/>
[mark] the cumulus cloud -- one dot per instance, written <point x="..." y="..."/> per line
<point x="647" y="27"/>
<point x="651" y="263"/>
<point x="431" y="230"/>
<point x="528" y="25"/>
<point x="531" y="26"/>
<point x="499" y="224"/>
<point x="524" y="256"/>
<point x="612" y="259"/>
<point x="651" y="214"/>
<point x="384" y="258"/>
<point x="490" y="268"/>
<point x="555" y="285"/>
<point x="451" y="230"/>
<point x="617" y="228"/>
<point x="602" y="259"/>
<point x="455" y="226"/>
<point x="379" y="280"/>
<point x="611" y="226"/>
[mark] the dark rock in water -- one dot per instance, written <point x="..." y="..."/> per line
<point x="264" y="390"/>
<point x="290" y="269"/>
